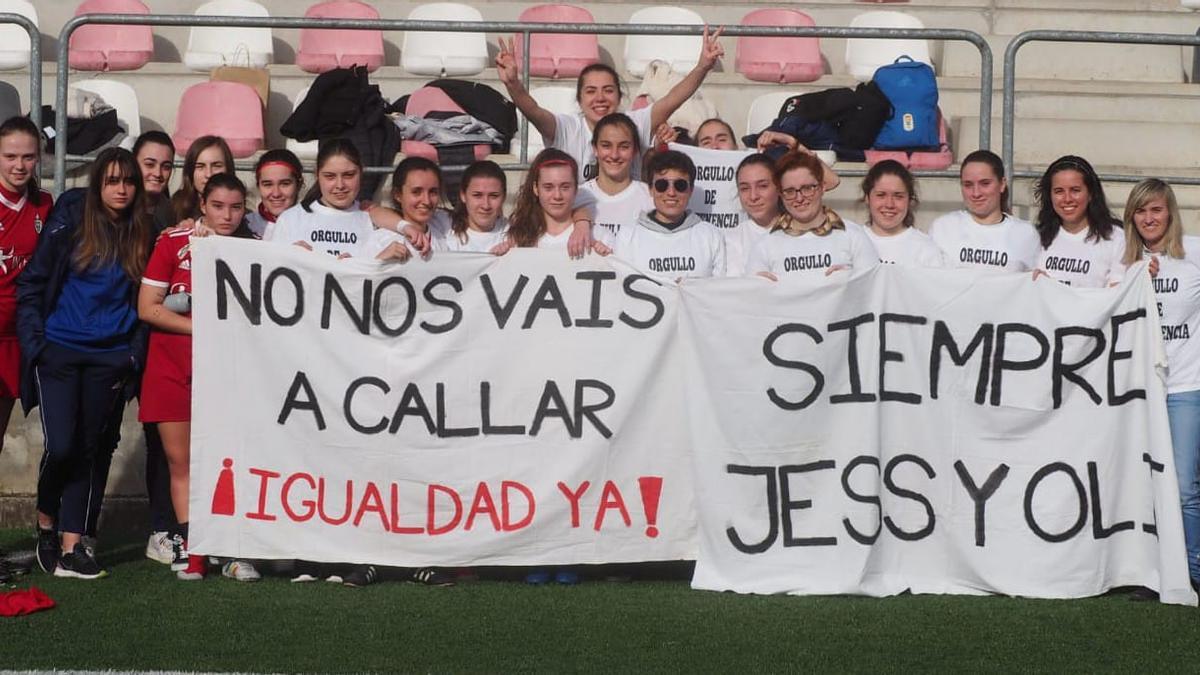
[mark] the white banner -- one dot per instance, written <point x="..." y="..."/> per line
<point x="473" y="410"/>
<point x="715" y="197"/>
<point x="932" y="431"/>
<point x="904" y="429"/>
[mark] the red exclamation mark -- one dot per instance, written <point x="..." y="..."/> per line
<point x="223" y="496"/>
<point x="651" y="487"/>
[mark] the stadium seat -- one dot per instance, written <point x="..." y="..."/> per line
<point x="786" y="59"/>
<point x="122" y="97"/>
<point x="14" y="41"/>
<point x="211" y="47"/>
<point x="865" y="56"/>
<point x="106" y="47"/>
<point x="326" y="49"/>
<point x="431" y="99"/>
<point x="764" y="110"/>
<point x="561" y="54"/>
<point x="444" y="54"/>
<point x="929" y="160"/>
<point x="681" y="51"/>
<point x="302" y="149"/>
<point x="228" y="109"/>
<point x="555" y="99"/>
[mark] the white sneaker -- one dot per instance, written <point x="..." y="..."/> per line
<point x="240" y="570"/>
<point x="159" y="549"/>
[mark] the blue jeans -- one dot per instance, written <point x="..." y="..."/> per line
<point x="1183" y="413"/>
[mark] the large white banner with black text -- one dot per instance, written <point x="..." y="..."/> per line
<point x="923" y="430"/>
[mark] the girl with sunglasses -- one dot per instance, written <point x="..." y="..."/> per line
<point x="670" y="241"/>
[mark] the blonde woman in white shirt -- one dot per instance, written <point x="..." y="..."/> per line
<point x="1153" y="229"/>
<point x="1081" y="243"/>
<point x="890" y="193"/>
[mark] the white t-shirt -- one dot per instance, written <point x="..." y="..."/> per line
<point x="621" y="209"/>
<point x="476" y="242"/>
<point x="811" y="255"/>
<point x="1177" y="289"/>
<point x="1075" y="261"/>
<point x="909" y="248"/>
<point x="1012" y="245"/>
<point x="572" y="136"/>
<point x="333" y="231"/>
<point x="695" y="252"/>
<point x="739" y="242"/>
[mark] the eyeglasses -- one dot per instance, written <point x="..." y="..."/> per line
<point x="680" y="185"/>
<point x="805" y="191"/>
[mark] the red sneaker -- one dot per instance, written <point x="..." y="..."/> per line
<point x="196" y="568"/>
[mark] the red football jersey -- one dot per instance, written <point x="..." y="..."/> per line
<point x="20" y="224"/>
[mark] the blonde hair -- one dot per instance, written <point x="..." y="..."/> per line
<point x="1139" y="196"/>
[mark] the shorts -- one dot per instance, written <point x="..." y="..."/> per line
<point x="10" y="368"/>
<point x="167" y="383"/>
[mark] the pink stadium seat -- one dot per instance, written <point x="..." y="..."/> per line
<point x="784" y="59"/>
<point x="104" y="47"/>
<point x="431" y="99"/>
<point x="326" y="49"/>
<point x="930" y="160"/>
<point x="562" y="54"/>
<point x="228" y="109"/>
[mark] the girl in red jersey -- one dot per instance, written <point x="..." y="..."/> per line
<point x="23" y="210"/>
<point x="164" y="302"/>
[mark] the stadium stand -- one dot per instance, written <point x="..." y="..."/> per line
<point x="557" y="55"/>
<point x="107" y="47"/>
<point x="326" y="49"/>
<point x="447" y="54"/>
<point x="784" y="60"/>
<point x="210" y="47"/>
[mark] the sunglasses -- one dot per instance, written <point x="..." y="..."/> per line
<point x="680" y="184"/>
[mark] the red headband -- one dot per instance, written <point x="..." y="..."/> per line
<point x="276" y="162"/>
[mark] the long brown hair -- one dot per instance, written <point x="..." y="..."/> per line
<point x="484" y="168"/>
<point x="528" y="222"/>
<point x="101" y="240"/>
<point x="186" y="200"/>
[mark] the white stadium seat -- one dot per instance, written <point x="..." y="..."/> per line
<point x="212" y="47"/>
<point x="764" y="110"/>
<point x="444" y="54"/>
<point x="14" y="41"/>
<point x="681" y="51"/>
<point x="122" y="97"/>
<point x="864" y="56"/>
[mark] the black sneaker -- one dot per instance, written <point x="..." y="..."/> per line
<point x="6" y="574"/>
<point x="431" y="577"/>
<point x="79" y="564"/>
<point x="49" y="550"/>
<point x="361" y="575"/>
<point x="179" y="554"/>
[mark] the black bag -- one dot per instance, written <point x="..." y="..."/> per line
<point x="858" y="114"/>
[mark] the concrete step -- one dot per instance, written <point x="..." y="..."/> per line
<point x="1107" y="144"/>
<point x="1074" y="61"/>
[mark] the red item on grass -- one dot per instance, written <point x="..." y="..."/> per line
<point x="28" y="601"/>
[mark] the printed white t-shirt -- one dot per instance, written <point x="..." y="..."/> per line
<point x="811" y="255"/>
<point x="1075" y="261"/>
<point x="739" y="242"/>
<point x="1012" y="245"/>
<point x="908" y="248"/>
<point x="696" y="252"/>
<point x="1177" y="290"/>
<point x="622" y="209"/>
<point x="333" y="231"/>
<point x="572" y="136"/>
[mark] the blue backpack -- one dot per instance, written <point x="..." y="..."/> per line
<point x="912" y="89"/>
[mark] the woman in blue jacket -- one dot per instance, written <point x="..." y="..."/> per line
<point x="81" y="346"/>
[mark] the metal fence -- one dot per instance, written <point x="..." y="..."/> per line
<point x="508" y="28"/>
<point x="35" y="63"/>
<point x="1010" y="86"/>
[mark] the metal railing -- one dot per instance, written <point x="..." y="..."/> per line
<point x="507" y="28"/>
<point x="1010" y="86"/>
<point x="35" y="63"/>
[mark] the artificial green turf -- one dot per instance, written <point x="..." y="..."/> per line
<point x="142" y="618"/>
